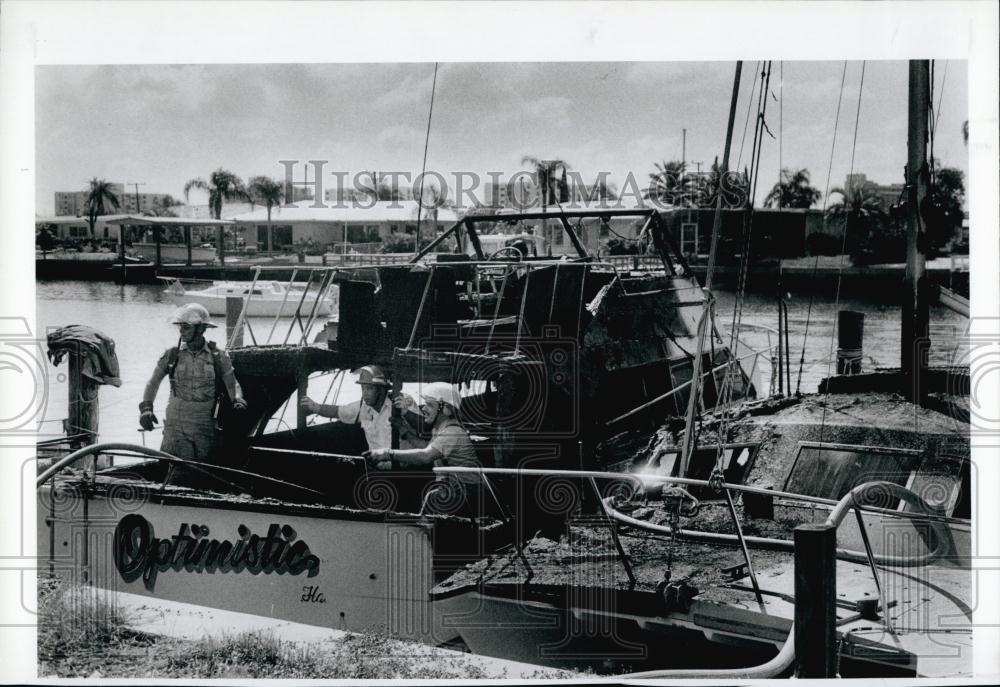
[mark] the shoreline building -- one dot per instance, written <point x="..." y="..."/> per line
<point x="358" y="227"/>
<point x="74" y="203"/>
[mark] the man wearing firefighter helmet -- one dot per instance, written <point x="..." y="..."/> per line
<point x="199" y="373"/>
<point x="373" y="412"/>
<point x="449" y="446"/>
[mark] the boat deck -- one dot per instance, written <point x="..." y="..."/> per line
<point x="931" y="624"/>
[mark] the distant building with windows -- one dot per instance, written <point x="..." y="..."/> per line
<point x="341" y="228"/>
<point x="74" y="203"/>
<point x="889" y="194"/>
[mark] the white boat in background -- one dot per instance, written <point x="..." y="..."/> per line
<point x="269" y="298"/>
<point x="174" y="252"/>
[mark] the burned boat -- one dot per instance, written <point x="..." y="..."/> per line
<point x="288" y="521"/>
<point x="727" y="549"/>
<point x="697" y="571"/>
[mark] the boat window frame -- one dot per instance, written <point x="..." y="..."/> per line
<point x="919" y="456"/>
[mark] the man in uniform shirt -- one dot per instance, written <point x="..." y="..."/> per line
<point x="198" y="371"/>
<point x="449" y="446"/>
<point x="373" y="412"/>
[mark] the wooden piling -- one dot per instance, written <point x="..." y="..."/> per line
<point x="850" y="341"/>
<point x="815" y="600"/>
<point x="158" y="238"/>
<point x="84" y="409"/>
<point x="234" y="306"/>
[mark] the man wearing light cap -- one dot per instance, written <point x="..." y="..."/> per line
<point x="199" y="373"/>
<point x="373" y="412"/>
<point x="450" y="445"/>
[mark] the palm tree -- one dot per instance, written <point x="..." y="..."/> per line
<point x="670" y="183"/>
<point x="268" y="193"/>
<point x="99" y="193"/>
<point x="735" y="188"/>
<point x="431" y="200"/>
<point x="864" y="219"/>
<point x="792" y="191"/>
<point x="222" y="185"/>
<point x="551" y="189"/>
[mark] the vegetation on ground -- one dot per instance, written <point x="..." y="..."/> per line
<point x="82" y="633"/>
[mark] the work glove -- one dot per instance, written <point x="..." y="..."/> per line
<point x="147" y="420"/>
<point x="380" y="458"/>
<point x="404" y="402"/>
<point x="239" y="404"/>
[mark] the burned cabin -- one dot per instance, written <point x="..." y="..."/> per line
<point x="553" y="356"/>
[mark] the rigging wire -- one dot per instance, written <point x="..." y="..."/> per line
<point x="843" y="247"/>
<point x="781" y="116"/>
<point x="423" y="166"/>
<point x="733" y="369"/>
<point x="753" y="88"/>
<point x="826" y="199"/>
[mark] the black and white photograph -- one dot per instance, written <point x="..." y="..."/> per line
<point x="549" y="341"/>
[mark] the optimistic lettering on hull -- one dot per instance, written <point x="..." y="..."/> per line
<point x="137" y="551"/>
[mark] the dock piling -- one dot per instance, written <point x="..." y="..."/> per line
<point x="816" y="600"/>
<point x="234" y="327"/>
<point x="850" y="341"/>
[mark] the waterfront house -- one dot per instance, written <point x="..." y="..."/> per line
<point x="341" y="227"/>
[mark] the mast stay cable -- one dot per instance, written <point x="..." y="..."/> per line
<point x="826" y="199"/>
<point x="423" y="167"/>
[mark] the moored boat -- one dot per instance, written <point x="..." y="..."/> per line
<point x="263" y="298"/>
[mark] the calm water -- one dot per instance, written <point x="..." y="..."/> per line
<point x="136" y="317"/>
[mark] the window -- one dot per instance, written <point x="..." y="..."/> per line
<point x="831" y="470"/>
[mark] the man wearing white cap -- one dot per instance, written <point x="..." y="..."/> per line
<point x="450" y="445"/>
<point x="373" y="412"/>
<point x="199" y="372"/>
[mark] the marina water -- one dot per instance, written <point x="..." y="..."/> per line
<point x="137" y="318"/>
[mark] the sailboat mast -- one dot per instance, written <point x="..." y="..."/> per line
<point x="916" y="311"/>
<point x="705" y="322"/>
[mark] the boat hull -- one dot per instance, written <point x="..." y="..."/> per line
<point x="329" y="568"/>
<point x="258" y="307"/>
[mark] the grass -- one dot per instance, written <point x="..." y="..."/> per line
<point x="82" y="634"/>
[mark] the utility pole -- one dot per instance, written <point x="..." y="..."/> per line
<point x="684" y="138"/>
<point x="136" y="184"/>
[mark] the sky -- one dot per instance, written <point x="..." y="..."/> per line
<point x="165" y="124"/>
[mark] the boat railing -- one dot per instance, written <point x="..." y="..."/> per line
<point x="319" y="281"/>
<point x="856" y="499"/>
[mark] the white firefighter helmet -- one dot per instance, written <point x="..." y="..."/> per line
<point x="441" y="392"/>
<point x="192" y="313"/>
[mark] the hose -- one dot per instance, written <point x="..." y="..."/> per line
<point x="783" y="661"/>
<point x="942" y="536"/>
<point x="71" y="458"/>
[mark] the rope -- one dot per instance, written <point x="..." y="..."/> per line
<point x="423" y="166"/>
<point x="826" y="199"/>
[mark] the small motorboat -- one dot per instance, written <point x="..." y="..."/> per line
<point x="268" y="298"/>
